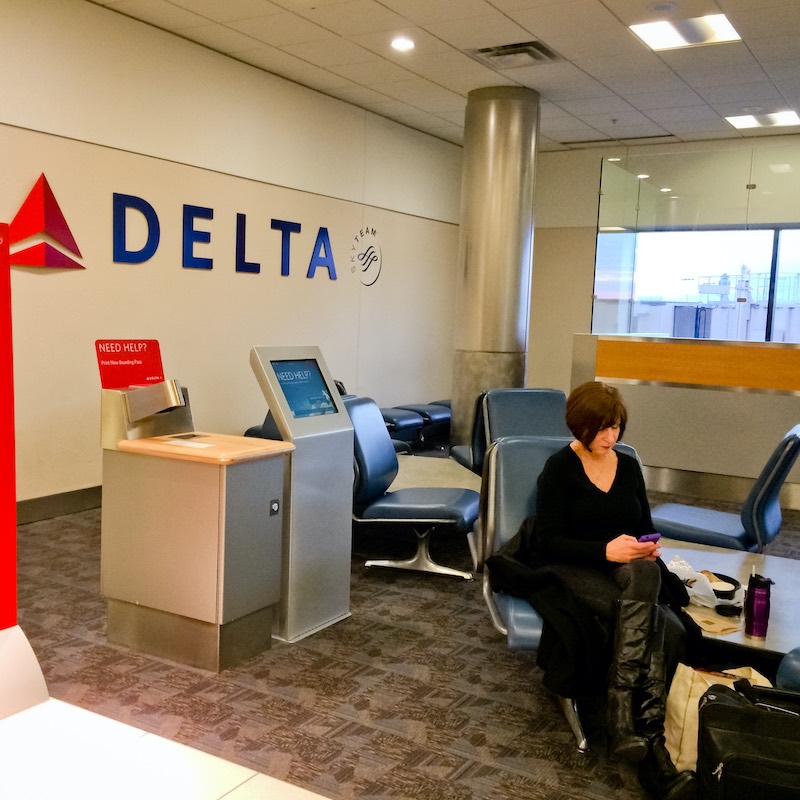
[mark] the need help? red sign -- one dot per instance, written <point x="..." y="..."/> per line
<point x="128" y="362"/>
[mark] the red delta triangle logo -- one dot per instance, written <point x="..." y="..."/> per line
<point x="41" y="214"/>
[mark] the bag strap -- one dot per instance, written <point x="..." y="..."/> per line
<point x="745" y="688"/>
<point x="748" y="691"/>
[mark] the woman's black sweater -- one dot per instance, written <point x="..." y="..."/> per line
<point x="575" y="520"/>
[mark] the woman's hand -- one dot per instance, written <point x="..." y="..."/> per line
<point x="626" y="548"/>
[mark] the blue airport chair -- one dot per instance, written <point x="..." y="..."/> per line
<point x="512" y="412"/>
<point x="424" y="510"/>
<point x="759" y="520"/>
<point x="788" y="675"/>
<point x="471" y="455"/>
<point x="403" y="425"/>
<point x="435" y="419"/>
<point x="508" y="497"/>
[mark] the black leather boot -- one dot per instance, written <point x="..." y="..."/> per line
<point x="629" y="666"/>
<point x="657" y="774"/>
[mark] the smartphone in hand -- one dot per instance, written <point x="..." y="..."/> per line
<point x="650" y="537"/>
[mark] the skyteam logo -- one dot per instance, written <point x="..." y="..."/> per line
<point x="366" y="259"/>
<point x="40" y="217"/>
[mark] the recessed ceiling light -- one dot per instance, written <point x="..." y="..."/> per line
<point x="403" y="44"/>
<point x="711" y="29"/>
<point x="665" y="190"/>
<point x="642" y="176"/>
<point x="614" y="158"/>
<point x="776" y="120"/>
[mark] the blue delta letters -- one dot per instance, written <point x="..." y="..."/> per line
<point x="321" y="255"/>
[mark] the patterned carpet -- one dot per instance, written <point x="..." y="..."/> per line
<point x="413" y="696"/>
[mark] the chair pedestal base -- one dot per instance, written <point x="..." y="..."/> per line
<point x="421" y="561"/>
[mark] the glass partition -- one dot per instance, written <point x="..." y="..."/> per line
<point x="700" y="245"/>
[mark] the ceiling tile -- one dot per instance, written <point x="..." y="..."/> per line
<point x="160" y="14"/>
<point x="372" y="73"/>
<point x="272" y="59"/>
<point x="698" y="113"/>
<point x="424" y="12"/>
<point x="745" y="94"/>
<point x="281" y="29"/>
<point x="774" y="48"/>
<point x="559" y="81"/>
<point x="667" y="100"/>
<point x="421" y="94"/>
<point x="331" y="52"/>
<point x="624" y="125"/>
<point x="456" y="71"/>
<point x="230" y="9"/>
<point x="578" y="27"/>
<point x="354" y="17"/>
<point x="753" y="22"/>
<point x="611" y="105"/>
<point x="476" y="32"/>
<point x="360" y="95"/>
<point x="220" y="38"/>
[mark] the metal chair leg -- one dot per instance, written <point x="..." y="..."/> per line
<point x="422" y="561"/>
<point x="570" y="710"/>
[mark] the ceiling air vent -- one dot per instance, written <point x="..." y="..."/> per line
<point x="509" y="56"/>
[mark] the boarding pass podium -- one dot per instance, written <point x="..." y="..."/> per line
<point x="191" y="531"/>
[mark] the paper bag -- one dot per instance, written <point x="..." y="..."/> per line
<point x="684" y="696"/>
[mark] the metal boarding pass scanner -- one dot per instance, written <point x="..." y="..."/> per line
<point x="317" y="544"/>
<point x="191" y="531"/>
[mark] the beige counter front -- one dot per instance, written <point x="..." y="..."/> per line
<point x="191" y="544"/>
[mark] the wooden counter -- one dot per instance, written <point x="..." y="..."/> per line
<point x="216" y="448"/>
<point x="701" y="363"/>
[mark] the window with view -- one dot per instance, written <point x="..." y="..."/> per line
<point x="727" y="281"/>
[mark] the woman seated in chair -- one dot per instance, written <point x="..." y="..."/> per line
<point x="591" y="510"/>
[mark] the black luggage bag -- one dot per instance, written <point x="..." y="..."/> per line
<point x="748" y="744"/>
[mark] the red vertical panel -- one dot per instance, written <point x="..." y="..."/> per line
<point x="8" y="483"/>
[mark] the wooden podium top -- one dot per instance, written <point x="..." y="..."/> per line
<point x="213" y="448"/>
<point x="701" y="363"/>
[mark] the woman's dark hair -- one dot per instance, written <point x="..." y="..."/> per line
<point x="593" y="407"/>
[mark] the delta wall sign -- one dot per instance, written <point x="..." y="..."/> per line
<point x="40" y="215"/>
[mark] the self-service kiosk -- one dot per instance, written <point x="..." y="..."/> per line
<point x="191" y="531"/>
<point x="317" y="542"/>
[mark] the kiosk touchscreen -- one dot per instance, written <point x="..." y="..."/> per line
<point x="305" y="389"/>
<point x="308" y="411"/>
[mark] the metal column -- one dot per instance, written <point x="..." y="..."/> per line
<point x="496" y="246"/>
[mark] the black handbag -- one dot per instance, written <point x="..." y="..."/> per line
<point x="748" y="743"/>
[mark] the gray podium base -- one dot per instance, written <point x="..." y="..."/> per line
<point x="22" y="684"/>
<point x="189" y="641"/>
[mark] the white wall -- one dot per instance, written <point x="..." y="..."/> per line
<point x="103" y="104"/>
<point x="567" y="185"/>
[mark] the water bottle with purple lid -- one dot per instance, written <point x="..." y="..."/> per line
<point x="756" y="605"/>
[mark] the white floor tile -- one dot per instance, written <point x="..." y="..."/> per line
<point x="55" y="750"/>
<point x="262" y="787"/>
